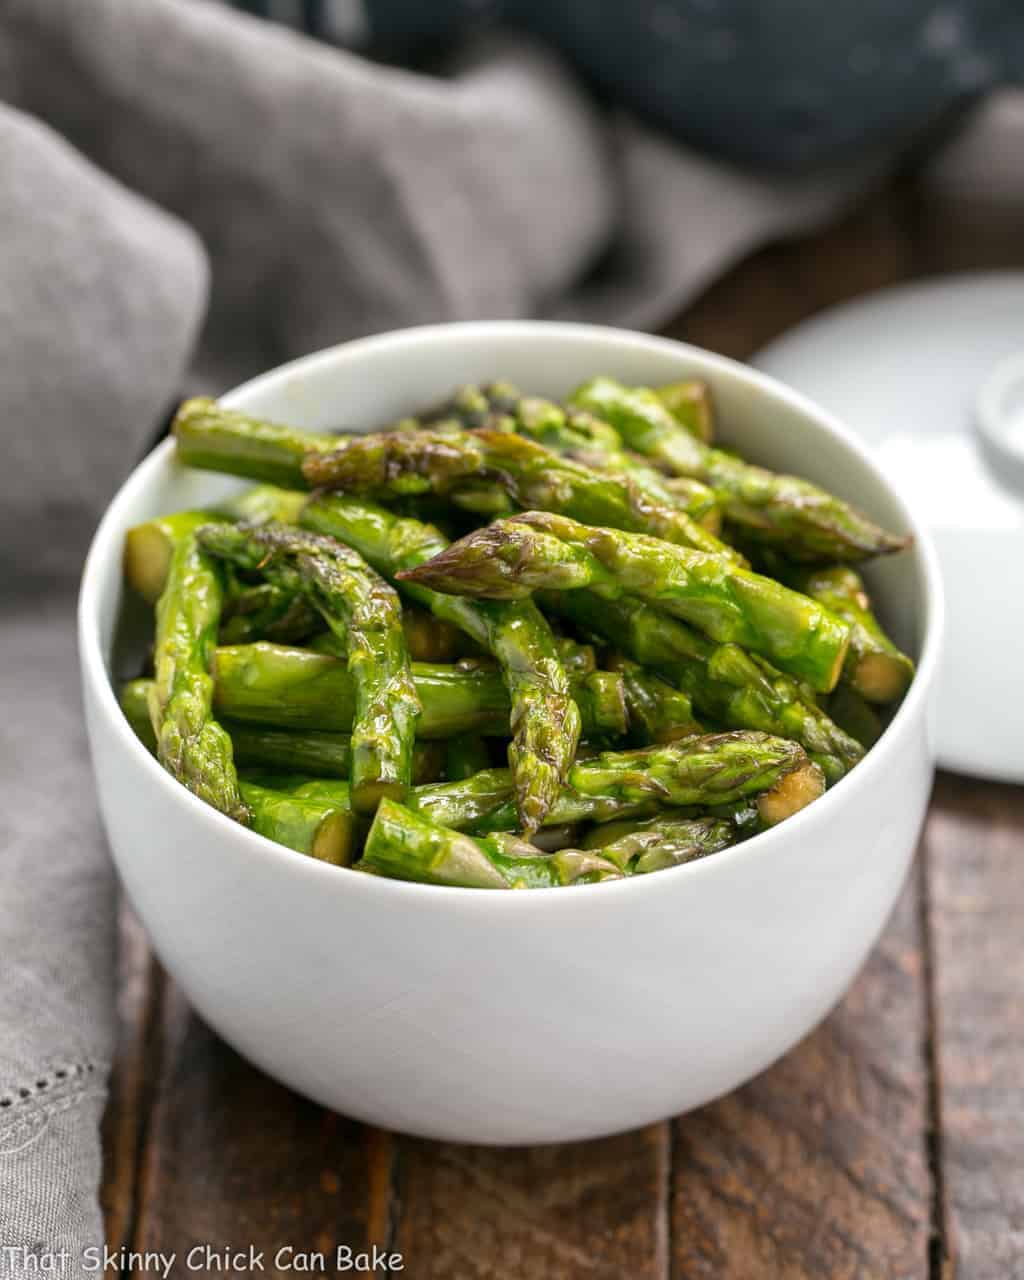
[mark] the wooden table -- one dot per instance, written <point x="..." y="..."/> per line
<point x="889" y="1144"/>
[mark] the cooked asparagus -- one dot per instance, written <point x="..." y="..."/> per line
<point x="658" y="712"/>
<point x="727" y="685"/>
<point x="785" y="511"/>
<point x="709" y="770"/>
<point x="854" y="715"/>
<point x="266" y="611"/>
<point x="427" y="638"/>
<point x="637" y="848"/>
<point x="320" y="829"/>
<point x="582" y="437"/>
<point x="359" y="605"/>
<point x="689" y="402"/>
<point x="465" y="755"/>
<point x="217" y="439"/>
<point x="393" y="464"/>
<point x="407" y="846"/>
<point x="148" y="546"/>
<point x="514" y="557"/>
<point x="874" y="667"/>
<point x="278" y="685"/>
<point x="544" y="718"/>
<point x="309" y="752"/>
<point x="190" y="744"/>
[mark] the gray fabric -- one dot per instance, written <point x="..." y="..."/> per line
<point x="338" y="199"/>
<point x="101" y="295"/>
<point x="332" y="199"/>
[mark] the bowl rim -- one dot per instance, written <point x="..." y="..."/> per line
<point x="106" y="543"/>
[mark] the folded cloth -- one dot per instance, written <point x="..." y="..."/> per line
<point x="101" y="295"/>
<point x="338" y="198"/>
<point x="333" y="198"/>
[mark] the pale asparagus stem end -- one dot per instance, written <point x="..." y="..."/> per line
<point x="791" y="794"/>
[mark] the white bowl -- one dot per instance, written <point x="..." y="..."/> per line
<point x="517" y="1017"/>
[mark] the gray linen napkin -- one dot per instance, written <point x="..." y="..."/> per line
<point x="333" y="198"/>
<point x="101" y="295"/>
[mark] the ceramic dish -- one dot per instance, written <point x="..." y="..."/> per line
<point x="517" y="1017"/>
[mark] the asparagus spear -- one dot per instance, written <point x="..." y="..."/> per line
<point x="689" y="402"/>
<point x="277" y="685"/>
<point x="318" y="828"/>
<point x="580" y="436"/>
<point x="398" y="463"/>
<point x="190" y="744"/>
<point x="599" y="696"/>
<point x="355" y="602"/>
<point x="544" y="718"/>
<point x="725" y="684"/>
<point x="793" y="514"/>
<point x="658" y="712"/>
<point x="265" y="611"/>
<point x="427" y="638"/>
<point x="148" y="547"/>
<point x="709" y="770"/>
<point x="637" y="848"/>
<point x="854" y="715"/>
<point x="514" y="557"/>
<point x="465" y="755"/>
<point x="874" y="667"/>
<point x="299" y="751"/>
<point x="761" y="779"/>
<point x="218" y="439"/>
<point x="406" y="846"/>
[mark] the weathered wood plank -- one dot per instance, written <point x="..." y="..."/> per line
<point x="593" y="1209"/>
<point x="235" y="1160"/>
<point x="975" y="845"/>
<point x="140" y="984"/>
<point x="819" y="1166"/>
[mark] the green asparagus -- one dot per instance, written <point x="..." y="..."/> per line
<point x="217" y="439"/>
<point x="398" y="463"/>
<point x="320" y="829"/>
<point x="148" y="547"/>
<point x="512" y="558"/>
<point x="298" y="751"/>
<point x="465" y="755"/>
<point x="658" y="712"/>
<point x="266" y="611"/>
<point x="689" y="402"/>
<point x="360" y="606"/>
<point x="854" y="715"/>
<point x="407" y="846"/>
<point x="637" y="848"/>
<point x="278" y="685"/>
<point x="584" y="438"/>
<point x="802" y="520"/>
<point x="708" y="770"/>
<point x="727" y="685"/>
<point x="544" y="718"/>
<point x="190" y="744"/>
<point x="874" y="667"/>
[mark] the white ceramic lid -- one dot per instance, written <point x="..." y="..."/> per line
<point x="931" y="376"/>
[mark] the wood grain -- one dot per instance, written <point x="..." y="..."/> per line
<point x="975" y="844"/>
<point x="132" y="1082"/>
<point x="233" y="1159"/>
<point x="594" y="1209"/>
